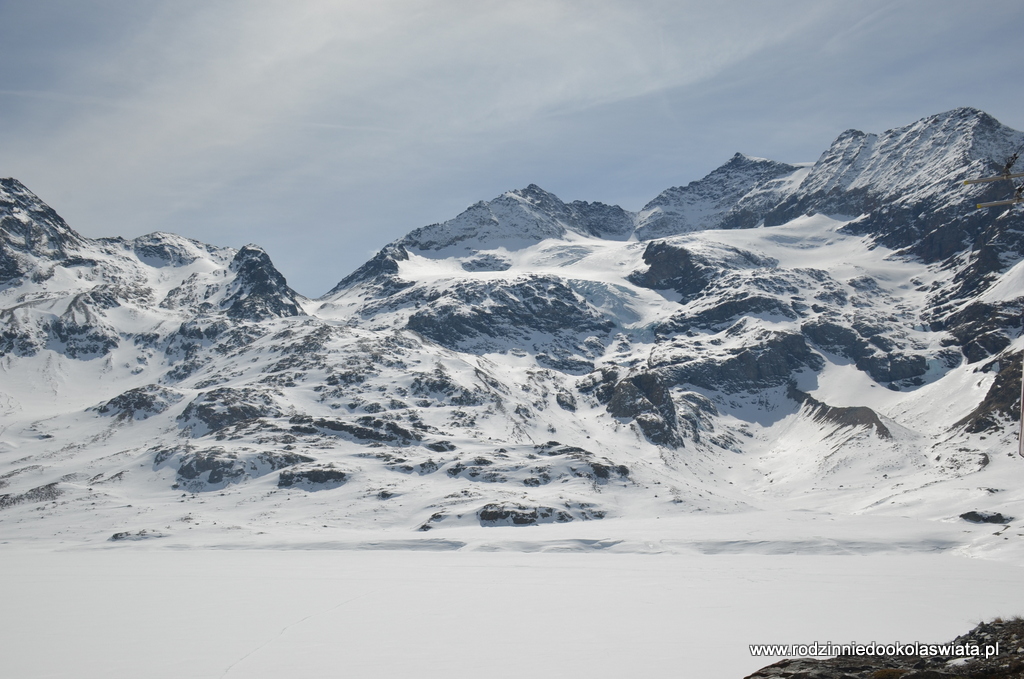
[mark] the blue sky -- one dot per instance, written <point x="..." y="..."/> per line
<point x="322" y="130"/>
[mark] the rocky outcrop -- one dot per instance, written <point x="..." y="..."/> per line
<point x="1002" y="401"/>
<point x="312" y="478"/>
<point x="140" y="403"/>
<point x="674" y="268"/>
<point x="508" y="514"/>
<point x="215" y="468"/>
<point x="848" y="416"/>
<point x="481" y="316"/>
<point x="46" y="493"/>
<point x="770" y="362"/>
<point x="224" y="407"/>
<point x="259" y="291"/>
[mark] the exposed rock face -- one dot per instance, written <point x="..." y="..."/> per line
<point x="140" y="403"/>
<point x="382" y="267"/>
<point x="770" y="361"/>
<point x="46" y="493"/>
<point x="525" y="215"/>
<point x="313" y="478"/>
<point x="674" y="268"/>
<point x="985" y="517"/>
<point x="646" y="399"/>
<point x="508" y="312"/>
<point x="225" y="407"/>
<point x="717" y="201"/>
<point x="259" y="291"/>
<point x="1002" y="402"/>
<point x="216" y="468"/>
<point x="29" y="228"/>
<point x="857" y="416"/>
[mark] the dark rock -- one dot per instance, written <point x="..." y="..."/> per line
<point x="490" y="315"/>
<point x="259" y="291"/>
<point x="29" y="229"/>
<point x="855" y="416"/>
<point x="610" y="222"/>
<point x="163" y="249"/>
<point x="487" y="262"/>
<point x="140" y="403"/>
<point x="718" y="198"/>
<point x="367" y="429"/>
<point x="835" y="338"/>
<point x="139" y="535"/>
<point x="585" y="464"/>
<point x="46" y="493"/>
<point x="600" y="383"/>
<point x="382" y="268"/>
<point x="1007" y="664"/>
<point x="506" y="514"/>
<point x="313" y="478"/>
<point x="892" y="367"/>
<point x="733" y="306"/>
<point x="985" y="517"/>
<point x="227" y="406"/>
<point x="769" y="363"/>
<point x="214" y="468"/>
<point x="673" y="267"/>
<point x="979" y="328"/>
<point x="566" y="401"/>
<point x="1001" y="402"/>
<point x="646" y="399"/>
<point x="220" y="467"/>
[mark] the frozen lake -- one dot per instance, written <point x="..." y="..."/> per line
<point x="144" y="610"/>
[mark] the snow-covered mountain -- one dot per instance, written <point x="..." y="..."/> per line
<point x="838" y="337"/>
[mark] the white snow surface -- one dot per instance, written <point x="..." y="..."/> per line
<point x="323" y="611"/>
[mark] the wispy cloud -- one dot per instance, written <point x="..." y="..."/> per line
<point x="356" y="121"/>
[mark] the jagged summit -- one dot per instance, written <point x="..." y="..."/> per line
<point x="919" y="159"/>
<point x="85" y="298"/>
<point x="715" y="200"/>
<point x="518" y="218"/>
<point x="259" y="291"/>
<point x="510" y="220"/>
<point x="905" y="186"/>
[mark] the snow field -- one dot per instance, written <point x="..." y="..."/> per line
<point x="116" y="613"/>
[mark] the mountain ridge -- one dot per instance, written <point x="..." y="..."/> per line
<point x="772" y="335"/>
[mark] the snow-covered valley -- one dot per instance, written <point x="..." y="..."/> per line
<point x="777" y="376"/>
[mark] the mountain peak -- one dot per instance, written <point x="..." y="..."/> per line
<point x="511" y="220"/>
<point x="538" y="198"/>
<point x="743" y="160"/>
<point x="30" y="228"/>
<point x="703" y="204"/>
<point x="259" y="290"/>
<point x="962" y="113"/>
